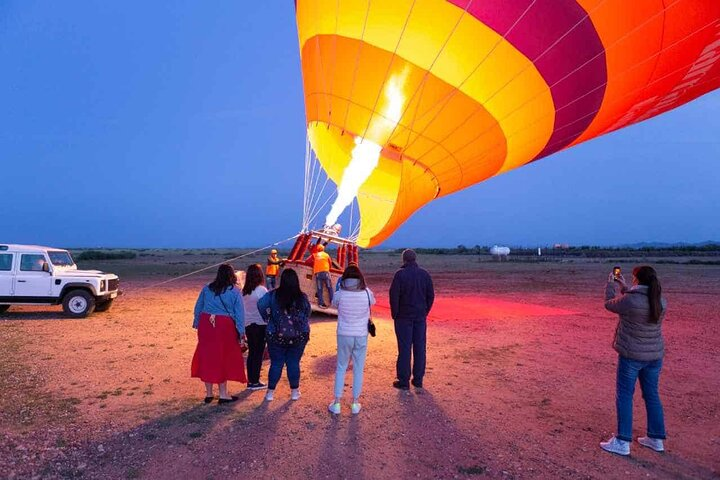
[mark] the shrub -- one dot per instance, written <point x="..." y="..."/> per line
<point x="106" y="255"/>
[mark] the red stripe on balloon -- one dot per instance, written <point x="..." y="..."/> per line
<point x="561" y="40"/>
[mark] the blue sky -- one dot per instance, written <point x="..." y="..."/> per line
<point x="181" y="124"/>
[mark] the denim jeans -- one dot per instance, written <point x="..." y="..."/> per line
<point x="411" y="336"/>
<point x="256" y="347"/>
<point x="280" y="356"/>
<point x="628" y="372"/>
<point x="322" y="279"/>
<point x="270" y="282"/>
<point x="347" y="347"/>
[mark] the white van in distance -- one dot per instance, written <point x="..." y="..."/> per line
<point x="33" y="275"/>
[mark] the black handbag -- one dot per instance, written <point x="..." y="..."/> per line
<point x="371" y="324"/>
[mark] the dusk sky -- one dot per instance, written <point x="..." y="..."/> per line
<point x="181" y="124"/>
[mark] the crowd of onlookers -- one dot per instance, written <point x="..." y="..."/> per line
<point x="270" y="316"/>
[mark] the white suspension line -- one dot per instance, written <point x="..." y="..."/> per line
<point x="482" y="133"/>
<point x="357" y="63"/>
<point x="619" y="74"/>
<point x="320" y="209"/>
<point x="517" y="74"/>
<point x="230" y="260"/>
<point x="387" y="70"/>
<point x="305" y="187"/>
<point x="315" y="210"/>
<point x="457" y="88"/>
<point x="616" y="101"/>
<point x="317" y="173"/>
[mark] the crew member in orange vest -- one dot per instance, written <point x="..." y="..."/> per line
<point x="321" y="269"/>
<point x="273" y="269"/>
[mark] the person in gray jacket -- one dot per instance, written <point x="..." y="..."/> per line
<point x="640" y="347"/>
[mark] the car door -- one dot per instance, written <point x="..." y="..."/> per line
<point x="6" y="274"/>
<point x="32" y="283"/>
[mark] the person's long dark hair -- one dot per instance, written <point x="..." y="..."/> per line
<point x="353" y="271"/>
<point x="225" y="279"/>
<point x="648" y="276"/>
<point x="288" y="293"/>
<point x="253" y="278"/>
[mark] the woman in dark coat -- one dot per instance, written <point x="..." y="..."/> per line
<point x="640" y="346"/>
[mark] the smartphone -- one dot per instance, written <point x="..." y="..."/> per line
<point x="616" y="272"/>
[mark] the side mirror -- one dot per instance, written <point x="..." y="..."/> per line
<point x="45" y="267"/>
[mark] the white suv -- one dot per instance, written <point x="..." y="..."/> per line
<point x="32" y="275"/>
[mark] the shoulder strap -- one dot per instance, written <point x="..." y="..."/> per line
<point x="369" y="304"/>
<point x="223" y="304"/>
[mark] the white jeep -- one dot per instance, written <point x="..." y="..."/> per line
<point x="32" y="275"/>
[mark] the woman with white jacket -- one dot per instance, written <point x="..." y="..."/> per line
<point x="353" y="301"/>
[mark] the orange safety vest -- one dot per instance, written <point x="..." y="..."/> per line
<point x="321" y="263"/>
<point x="273" y="266"/>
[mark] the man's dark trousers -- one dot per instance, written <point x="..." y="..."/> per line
<point x="411" y="337"/>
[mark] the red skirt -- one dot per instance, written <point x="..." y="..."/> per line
<point x="218" y="357"/>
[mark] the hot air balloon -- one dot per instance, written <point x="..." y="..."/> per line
<point x="410" y="100"/>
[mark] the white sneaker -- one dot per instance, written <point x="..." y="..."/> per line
<point x="355" y="408"/>
<point x="269" y="395"/>
<point x="334" y="408"/>
<point x="295" y="394"/>
<point x="653" y="443"/>
<point x="615" y="445"/>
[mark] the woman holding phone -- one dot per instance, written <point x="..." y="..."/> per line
<point x="640" y="346"/>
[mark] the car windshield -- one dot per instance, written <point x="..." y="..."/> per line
<point x="61" y="259"/>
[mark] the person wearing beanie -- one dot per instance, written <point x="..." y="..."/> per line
<point x="411" y="298"/>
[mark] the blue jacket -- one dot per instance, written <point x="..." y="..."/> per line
<point x="411" y="293"/>
<point x="227" y="303"/>
<point x="270" y="308"/>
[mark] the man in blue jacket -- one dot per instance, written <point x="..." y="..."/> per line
<point x="411" y="298"/>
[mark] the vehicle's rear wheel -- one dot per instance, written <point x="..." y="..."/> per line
<point x="104" y="306"/>
<point x="78" y="303"/>
<point x="4" y="308"/>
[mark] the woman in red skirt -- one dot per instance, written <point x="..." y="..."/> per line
<point x="220" y="322"/>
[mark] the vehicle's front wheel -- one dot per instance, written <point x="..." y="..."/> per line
<point x="78" y="303"/>
<point x="4" y="308"/>
<point x="104" y="306"/>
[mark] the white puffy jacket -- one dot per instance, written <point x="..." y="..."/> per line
<point x="353" y="307"/>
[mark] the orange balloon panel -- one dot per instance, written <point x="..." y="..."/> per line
<point x="453" y="92"/>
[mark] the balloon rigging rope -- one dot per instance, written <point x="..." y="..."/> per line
<point x="230" y="260"/>
<point x="305" y="187"/>
<point x="635" y="65"/>
<point x="618" y="40"/>
<point x="456" y="88"/>
<point x="316" y="173"/>
<point x="607" y="47"/>
<point x="446" y="100"/>
<point x="389" y="67"/>
<point x="312" y="178"/>
<point x="617" y="101"/>
<point x="327" y="200"/>
<point x="315" y="210"/>
<point x="357" y="63"/>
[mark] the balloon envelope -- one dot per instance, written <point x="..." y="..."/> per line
<point x="457" y="91"/>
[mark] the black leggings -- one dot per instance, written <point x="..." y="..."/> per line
<point x="256" y="346"/>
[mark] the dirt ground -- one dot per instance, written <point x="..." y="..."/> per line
<point x="520" y="384"/>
